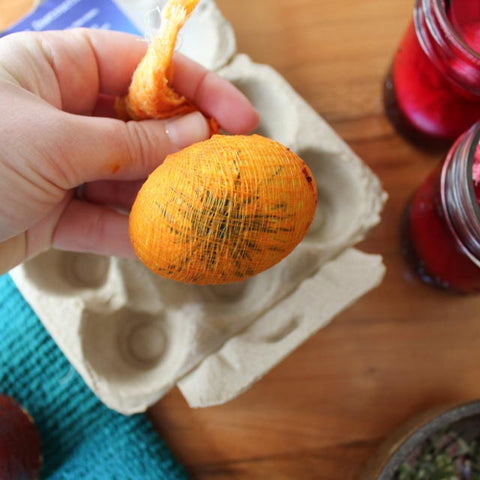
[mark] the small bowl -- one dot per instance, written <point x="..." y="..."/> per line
<point x="462" y="418"/>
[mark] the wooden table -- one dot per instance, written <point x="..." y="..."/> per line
<point x="402" y="348"/>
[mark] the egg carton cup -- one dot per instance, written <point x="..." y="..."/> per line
<point x="133" y="335"/>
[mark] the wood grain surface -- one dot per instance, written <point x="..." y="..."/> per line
<point x="404" y="347"/>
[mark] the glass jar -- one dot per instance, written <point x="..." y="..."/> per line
<point x="441" y="234"/>
<point x="432" y="92"/>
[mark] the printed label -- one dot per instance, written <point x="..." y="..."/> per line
<point x="63" y="14"/>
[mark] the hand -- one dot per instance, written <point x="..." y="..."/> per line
<point x="58" y="132"/>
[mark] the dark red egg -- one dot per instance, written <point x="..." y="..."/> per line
<point x="20" y="447"/>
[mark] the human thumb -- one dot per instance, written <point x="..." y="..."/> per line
<point x="104" y="148"/>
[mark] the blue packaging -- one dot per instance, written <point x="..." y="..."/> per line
<point x="64" y="14"/>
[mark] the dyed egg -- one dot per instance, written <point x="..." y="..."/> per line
<point x="20" y="445"/>
<point x="223" y="210"/>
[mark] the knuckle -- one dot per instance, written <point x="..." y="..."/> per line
<point x="142" y="144"/>
<point x="60" y="165"/>
<point x="95" y="230"/>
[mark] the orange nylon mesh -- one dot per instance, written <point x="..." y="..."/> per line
<point x="150" y="94"/>
<point x="222" y="210"/>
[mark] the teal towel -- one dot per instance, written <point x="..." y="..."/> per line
<point x="81" y="438"/>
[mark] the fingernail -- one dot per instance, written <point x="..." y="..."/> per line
<point x="184" y="131"/>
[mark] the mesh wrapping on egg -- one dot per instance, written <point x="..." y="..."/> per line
<point x="223" y="210"/>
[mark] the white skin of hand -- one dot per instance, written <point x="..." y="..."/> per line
<point x="58" y="131"/>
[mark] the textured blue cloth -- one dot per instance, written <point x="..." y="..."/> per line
<point x="81" y="438"/>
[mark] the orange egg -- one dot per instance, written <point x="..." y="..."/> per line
<point x="223" y="210"/>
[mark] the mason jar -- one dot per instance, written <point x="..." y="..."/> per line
<point x="441" y="230"/>
<point x="432" y="91"/>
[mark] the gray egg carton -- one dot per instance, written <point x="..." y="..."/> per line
<point x="133" y="335"/>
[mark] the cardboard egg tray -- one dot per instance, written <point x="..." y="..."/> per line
<point x="133" y="335"/>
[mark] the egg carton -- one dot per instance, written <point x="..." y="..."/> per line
<point x="133" y="335"/>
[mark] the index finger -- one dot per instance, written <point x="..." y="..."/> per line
<point x="85" y="63"/>
<point x="118" y="56"/>
<point x="70" y="68"/>
<point x="214" y="96"/>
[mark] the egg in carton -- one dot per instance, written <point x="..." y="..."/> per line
<point x="133" y="335"/>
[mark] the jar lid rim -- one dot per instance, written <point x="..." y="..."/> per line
<point x="446" y="26"/>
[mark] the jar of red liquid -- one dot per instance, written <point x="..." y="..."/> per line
<point x="432" y="92"/>
<point x="441" y="236"/>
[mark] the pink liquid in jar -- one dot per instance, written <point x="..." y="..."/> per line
<point x="429" y="244"/>
<point x="432" y="102"/>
